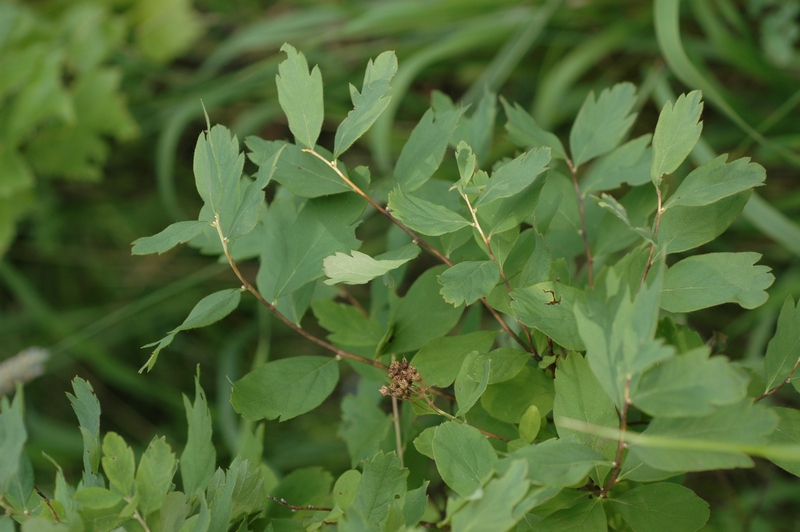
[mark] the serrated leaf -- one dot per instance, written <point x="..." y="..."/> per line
<point x="368" y="104"/>
<point x="787" y="433"/>
<point x="218" y="168"/>
<point x="708" y="438"/>
<point x="360" y="268"/>
<point x="13" y="434"/>
<point x="629" y="163"/>
<point x="118" y="464"/>
<point x="509" y="400"/>
<point x="716" y="180"/>
<point x="424" y="216"/>
<point x="703" y="281"/>
<point x="470" y="385"/>
<point x="382" y="481"/>
<point x="199" y="456"/>
<point x="495" y="509"/>
<point x="662" y="507"/>
<point x="601" y="124"/>
<point x="422" y="314"/>
<point x="514" y="176"/>
<point x="468" y="281"/>
<point x="783" y="350"/>
<point x="684" y="228"/>
<point x="424" y="150"/>
<point x="440" y="360"/>
<point x="557" y="461"/>
<point x="250" y="206"/>
<point x="154" y="475"/>
<point x="526" y="133"/>
<point x="677" y="131"/>
<point x="285" y="388"/>
<point x="300" y="96"/>
<point x="464" y="457"/>
<point x="300" y="172"/>
<point x="174" y="234"/>
<point x="364" y="426"/>
<point x="87" y="409"/>
<point x="507" y="213"/>
<point x="467" y="163"/>
<point x="551" y="313"/>
<point x="208" y="310"/>
<point x="690" y="384"/>
<point x="346" y="324"/>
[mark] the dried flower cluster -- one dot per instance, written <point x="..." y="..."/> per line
<point x="403" y="376"/>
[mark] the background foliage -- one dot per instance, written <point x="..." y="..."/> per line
<point x="68" y="282"/>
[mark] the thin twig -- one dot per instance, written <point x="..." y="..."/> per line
<point x="781" y="385"/>
<point x="623" y="425"/>
<point x="454" y="418"/>
<point x="584" y="235"/>
<point x="353" y="301"/>
<point x="47" y="502"/>
<point x="659" y="212"/>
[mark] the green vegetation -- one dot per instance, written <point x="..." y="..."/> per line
<point x="517" y="226"/>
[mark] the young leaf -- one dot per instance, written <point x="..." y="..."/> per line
<point x="557" y="461"/>
<point x="464" y="457"/>
<point x="601" y="124"/>
<point x="118" y="464"/>
<point x="470" y="386"/>
<point x="424" y="216"/>
<point x="629" y="163"/>
<point x="530" y="423"/>
<point x="424" y="150"/>
<point x="495" y="510"/>
<point x="526" y="133"/>
<point x="154" y="476"/>
<point x="690" y="384"/>
<point x="364" y="427"/>
<point x="467" y="163"/>
<point x="677" y="131"/>
<point x="359" y="268"/>
<point x="783" y="350"/>
<point x="208" y="310"/>
<point x="468" y="281"/>
<point x="707" y="280"/>
<point x="715" y="180"/>
<point x="422" y="314"/>
<point x="174" y="234"/>
<point x="441" y="359"/>
<point x="300" y="96"/>
<point x="704" y="443"/>
<point x="346" y="324"/>
<point x="547" y="307"/>
<point x="509" y="400"/>
<point x="199" y="457"/>
<point x="368" y="104"/>
<point x="13" y="434"/>
<point x="515" y="176"/>
<point x="382" y="482"/>
<point x="661" y="507"/>
<point x="87" y="409"/>
<point x="218" y="168"/>
<point x="286" y="388"/>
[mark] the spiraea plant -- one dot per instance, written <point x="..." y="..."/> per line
<point x="539" y="356"/>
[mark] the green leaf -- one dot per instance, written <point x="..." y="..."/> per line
<point x="359" y="268"/>
<point x="382" y="481"/>
<point x="783" y="350"/>
<point x="344" y="491"/>
<point x="464" y="457"/>
<point x="551" y="313"/>
<point x="154" y="476"/>
<point x="286" y="388"/>
<point x="250" y="206"/>
<point x="610" y="204"/>
<point x="505" y="362"/>
<point x="300" y="96"/>
<point x="629" y="163"/>
<point x="787" y="433"/>
<point x="424" y="216"/>
<point x="467" y="163"/>
<point x="416" y="503"/>
<point x="368" y="104"/>
<point x="508" y="401"/>
<point x="690" y="384"/>
<point x="530" y="423"/>
<point x="424" y="442"/>
<point x="677" y="131"/>
<point x="495" y="509"/>
<point x="309" y="485"/>
<point x="94" y="498"/>
<point x="704" y="443"/>
<point x="468" y="281"/>
<point x="507" y="213"/>
<point x="601" y="124"/>
<point x="13" y="434"/>
<point x="424" y="150"/>
<point x="301" y="173"/>
<point x="174" y="234"/>
<point x="716" y="180"/>
<point x="557" y="462"/>
<point x="526" y="133"/>
<point x="218" y="168"/>
<point x="440" y="360"/>
<point x="514" y="176"/>
<point x="87" y="409"/>
<point x="470" y="386"/>
<point x="703" y="281"/>
<point x="199" y="457"/>
<point x="208" y="310"/>
<point x="586" y="516"/>
<point x="684" y="228"/>
<point x="346" y="324"/>
<point x="422" y="314"/>
<point x="118" y="464"/>
<point x="662" y="507"/>
<point x="364" y="427"/>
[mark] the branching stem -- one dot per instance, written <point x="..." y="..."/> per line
<point x="659" y="212"/>
<point x="623" y="425"/>
<point x="782" y="384"/>
<point x="584" y="235"/>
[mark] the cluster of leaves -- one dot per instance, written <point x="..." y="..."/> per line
<point x="60" y="96"/>
<point x="585" y="342"/>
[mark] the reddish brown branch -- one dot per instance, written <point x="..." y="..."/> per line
<point x="623" y="426"/>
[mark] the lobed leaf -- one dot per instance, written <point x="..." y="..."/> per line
<point x="440" y="360"/>
<point x="382" y="481"/>
<point x="468" y="281"/>
<point x="424" y="150"/>
<point x="218" y="168"/>
<point x="661" y="507"/>
<point x="118" y="464"/>
<point x="346" y="324"/>
<point x="526" y="133"/>
<point x="300" y="96"/>
<point x="629" y="163"/>
<point x="787" y="433"/>
<point x="359" y="268"/>
<point x="154" y="475"/>
<point x="716" y="180"/>
<point x="87" y="409"/>
<point x="783" y="350"/>
<point x="514" y="176"/>
<point x="677" y="131"/>
<point x="13" y="434"/>
<point x="199" y="456"/>
<point x="424" y="216"/>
